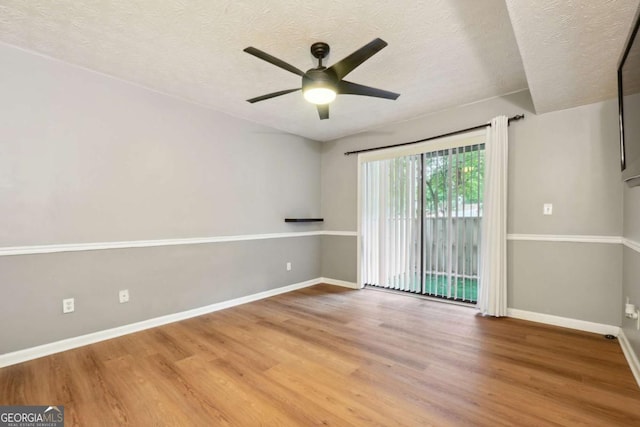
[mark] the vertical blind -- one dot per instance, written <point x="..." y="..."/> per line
<point x="420" y="224"/>
<point x="391" y="225"/>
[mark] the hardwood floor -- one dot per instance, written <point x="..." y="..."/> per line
<point x="332" y="356"/>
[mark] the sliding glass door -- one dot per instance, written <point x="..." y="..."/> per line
<point x="420" y="221"/>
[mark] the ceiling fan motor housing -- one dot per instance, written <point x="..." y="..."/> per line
<point x="319" y="77"/>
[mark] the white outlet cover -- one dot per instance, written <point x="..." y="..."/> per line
<point x="68" y="305"/>
<point x="547" y="209"/>
<point x="123" y="296"/>
<point x="288" y="266"/>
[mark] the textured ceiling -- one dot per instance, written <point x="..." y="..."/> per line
<point x="441" y="53"/>
<point x="570" y="49"/>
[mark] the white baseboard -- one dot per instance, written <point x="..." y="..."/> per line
<point x="565" y="322"/>
<point x="631" y="356"/>
<point x="335" y="282"/>
<point x="75" y="342"/>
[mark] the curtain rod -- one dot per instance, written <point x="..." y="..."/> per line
<point x="511" y="119"/>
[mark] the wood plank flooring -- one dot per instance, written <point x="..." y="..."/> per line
<point x="332" y="356"/>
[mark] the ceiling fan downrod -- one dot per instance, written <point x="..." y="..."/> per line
<point x="320" y="50"/>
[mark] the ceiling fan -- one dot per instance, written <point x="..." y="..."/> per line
<point x="320" y="85"/>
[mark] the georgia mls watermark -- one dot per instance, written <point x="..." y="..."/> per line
<point x="31" y="416"/>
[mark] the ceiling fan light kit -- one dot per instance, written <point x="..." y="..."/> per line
<point x="320" y="95"/>
<point x="320" y="85"/>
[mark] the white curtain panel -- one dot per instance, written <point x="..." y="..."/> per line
<point x="492" y="292"/>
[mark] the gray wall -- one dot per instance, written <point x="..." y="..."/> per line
<point x="568" y="158"/>
<point x="161" y="280"/>
<point x="85" y="158"/>
<point x="631" y="272"/>
<point x="339" y="257"/>
<point x="88" y="158"/>
<point x="577" y="280"/>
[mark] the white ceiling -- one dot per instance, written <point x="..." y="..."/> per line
<point x="570" y="49"/>
<point x="441" y="53"/>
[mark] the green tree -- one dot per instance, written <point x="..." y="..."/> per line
<point x="453" y="176"/>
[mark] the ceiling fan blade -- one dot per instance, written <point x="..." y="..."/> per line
<point x="271" y="95"/>
<point x="348" y="64"/>
<point x="323" y="111"/>
<point x="348" y="88"/>
<point x="273" y="60"/>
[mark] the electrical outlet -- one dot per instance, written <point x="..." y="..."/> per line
<point x="288" y="266"/>
<point x="68" y="305"/>
<point x="547" y="209"/>
<point x="123" y="296"/>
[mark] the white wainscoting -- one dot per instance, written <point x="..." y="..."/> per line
<point x="565" y="238"/>
<point x="75" y="247"/>
<point x="631" y="244"/>
<point x="93" y="246"/>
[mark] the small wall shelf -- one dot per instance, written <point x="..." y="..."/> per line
<point x="303" y="219"/>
